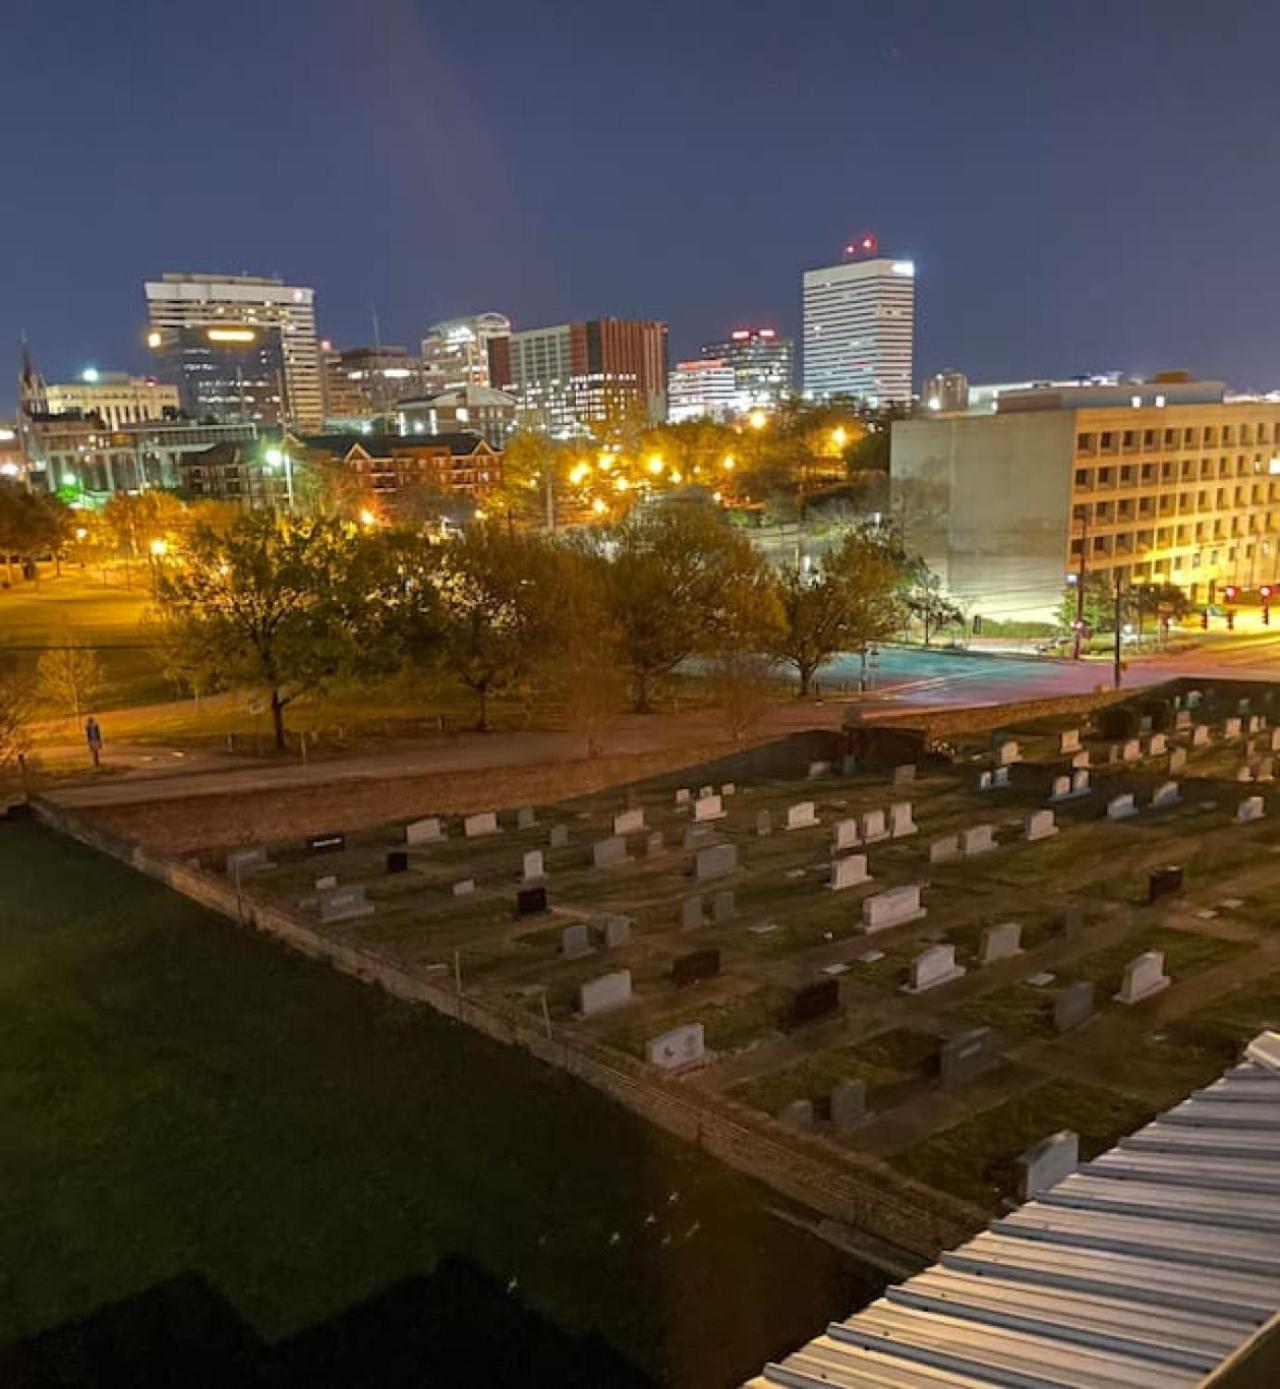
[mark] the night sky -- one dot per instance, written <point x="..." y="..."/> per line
<point x="1082" y="186"/>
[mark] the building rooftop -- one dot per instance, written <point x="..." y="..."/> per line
<point x="1147" y="1268"/>
<point x="460" y="442"/>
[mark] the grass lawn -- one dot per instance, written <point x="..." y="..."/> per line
<point x="177" y="1094"/>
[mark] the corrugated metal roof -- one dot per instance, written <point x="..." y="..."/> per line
<point x="1144" y="1269"/>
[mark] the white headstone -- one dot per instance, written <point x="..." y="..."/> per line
<point x="1231" y="728"/>
<point x="575" y="941"/>
<point x="605" y="853"/>
<point x="602" y="994"/>
<point x="1251" y="808"/>
<point x="423" y="831"/>
<point x="932" y="967"/>
<point x="977" y="839"/>
<point x="1182" y="721"/>
<point x="1047" y="1163"/>
<point x="817" y="769"/>
<point x="628" y="822"/>
<point x="873" y="826"/>
<point x="850" y="871"/>
<point x="242" y="862"/>
<point x="901" y="825"/>
<point x="533" y="869"/>
<point x="1255" y="723"/>
<point x="892" y="908"/>
<point x="1069" y="741"/>
<point x="330" y="880"/>
<point x="684" y="796"/>
<point x="1081" y="759"/>
<point x="984" y="781"/>
<point x="1008" y="753"/>
<point x="1157" y="745"/>
<point x="1000" y="777"/>
<point x="729" y="789"/>
<point x="1061" y="789"/>
<point x="1143" y="977"/>
<point x="1200" y="736"/>
<point x="484" y="823"/>
<point x="1131" y="751"/>
<point x="1177" y="761"/>
<point x="1040" y="825"/>
<point x="1000" y="942"/>
<point x="685" y="1045"/>
<point x="1273" y="742"/>
<point x="1121" y="807"/>
<point x="617" y="932"/>
<point x="844" y="835"/>
<point x="1265" y="770"/>
<point x="1080" y="782"/>
<point x="704" y="791"/>
<point x="708" y="808"/>
<point x="801" y="816"/>
<point x="464" y="887"/>
<point x="945" y="849"/>
<point x="1166" y="794"/>
<point x="904" y="773"/>
<point x="343" y="903"/>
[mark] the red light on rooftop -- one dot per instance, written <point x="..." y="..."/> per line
<point x="865" y="245"/>
<point x="739" y="333"/>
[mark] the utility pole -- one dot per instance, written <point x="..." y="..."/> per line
<point x="1080" y="574"/>
<point x="1116" y="669"/>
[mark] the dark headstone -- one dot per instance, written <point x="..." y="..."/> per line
<point x="1072" y="1006"/>
<point x="814" y="1001"/>
<point x="326" y="843"/>
<point x="397" y="861"/>
<point x="697" y="964"/>
<point x="963" y="1057"/>
<point x="1118" y="723"/>
<point x="1163" y="881"/>
<point x="531" y="900"/>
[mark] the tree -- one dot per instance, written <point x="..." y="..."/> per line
<point x="849" y="600"/>
<point x="139" y="518"/>
<point x="270" y="604"/>
<point x="497" y="592"/>
<point x="743" y="689"/>
<point x="70" y="676"/>
<point x="677" y="576"/>
<point x="15" y="719"/>
<point x="32" y="524"/>
<point x="926" y="599"/>
<point x="1097" y="609"/>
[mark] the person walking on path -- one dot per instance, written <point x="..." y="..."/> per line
<point x="93" y="736"/>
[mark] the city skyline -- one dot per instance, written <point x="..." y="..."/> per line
<point x="1056" y="243"/>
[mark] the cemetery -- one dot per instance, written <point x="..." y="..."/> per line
<point x="1061" y="925"/>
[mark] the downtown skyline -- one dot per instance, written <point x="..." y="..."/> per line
<point x="1066" y="240"/>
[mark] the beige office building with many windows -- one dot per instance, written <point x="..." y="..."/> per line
<point x="1147" y="482"/>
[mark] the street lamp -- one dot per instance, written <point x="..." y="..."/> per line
<point x="159" y="548"/>
<point x="278" y="457"/>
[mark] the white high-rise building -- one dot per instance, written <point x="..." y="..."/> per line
<point x="859" y="329"/>
<point x="704" y="389"/>
<point x="220" y="337"/>
<point x="455" y="352"/>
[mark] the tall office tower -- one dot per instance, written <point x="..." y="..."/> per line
<point x="763" y="363"/>
<point x="455" y="352"/>
<point x="571" y="376"/>
<point x="363" y="382"/>
<point x="238" y="347"/>
<point x="704" y="389"/>
<point x="859" y="325"/>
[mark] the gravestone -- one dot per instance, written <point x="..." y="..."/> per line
<point x="1255" y="724"/>
<point x="1069" y="741"/>
<point x="904" y="773"/>
<point x="944" y="850"/>
<point x="873" y="826"/>
<point x="1157" y="745"/>
<point x="654" y="844"/>
<point x="1000" y="942"/>
<point x="242" y="862"/>
<point x="628" y="822"/>
<point x="1200" y="736"/>
<point x="697" y="964"/>
<point x="1080" y="782"/>
<point x="691" y="913"/>
<point x="848" y="764"/>
<point x="963" y="1057"/>
<point x="844" y="835"/>
<point x="1177" y="761"/>
<point x="812" y="1002"/>
<point x="901" y="825"/>
<point x="1182" y="721"/>
<point x="1143" y="977"/>
<point x="848" y="1105"/>
<point x="1080" y="761"/>
<point x="764" y="824"/>
<point x="1061" y="789"/>
<point x="397" y="861"/>
<point x="892" y="908"/>
<point x="525" y="818"/>
<point x="801" y="816"/>
<point x="931" y="968"/>
<point x="1047" y="1163"/>
<point x="977" y="839"/>
<point x="608" y="853"/>
<point x="1040" y="825"/>
<point x="326" y="843"/>
<point x="324" y="883"/>
<point x="532" y="866"/>
<point x="617" y="932"/>
<point x="484" y="823"/>
<point x="1121" y="807"/>
<point x="704" y="792"/>
<point x="817" y="769"/>
<point x="1265" y="770"/>
<point x="602" y="995"/>
<point x="797" y="1115"/>
<point x="728" y="789"/>
<point x="1194" y="698"/>
<point x="423" y="831"/>
<point x="1251" y="808"/>
<point x="1131" y="751"/>
<point x="343" y="904"/>
<point x="1231" y="728"/>
<point x="850" y="871"/>
<point x="1000" y="778"/>
<point x="575" y="941"/>
<point x="559" y="837"/>
<point x="722" y="906"/>
<point x="707" y="808"/>
<point x="1244" y="774"/>
<point x="1165" y="795"/>
<point x="464" y="887"/>
<point x="984" y="781"/>
<point x="531" y="900"/>
<point x="1072" y="1006"/>
<point x="682" y="1046"/>
<point x="695" y="836"/>
<point x="1273" y="741"/>
<point x="715" y="861"/>
<point x="684" y="796"/>
<point x="1008" y="753"/>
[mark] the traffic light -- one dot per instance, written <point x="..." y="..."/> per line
<point x="1264" y="592"/>
<point x="1229" y="592"/>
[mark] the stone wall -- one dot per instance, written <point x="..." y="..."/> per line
<point x="981" y="718"/>
<point x="861" y="1192"/>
